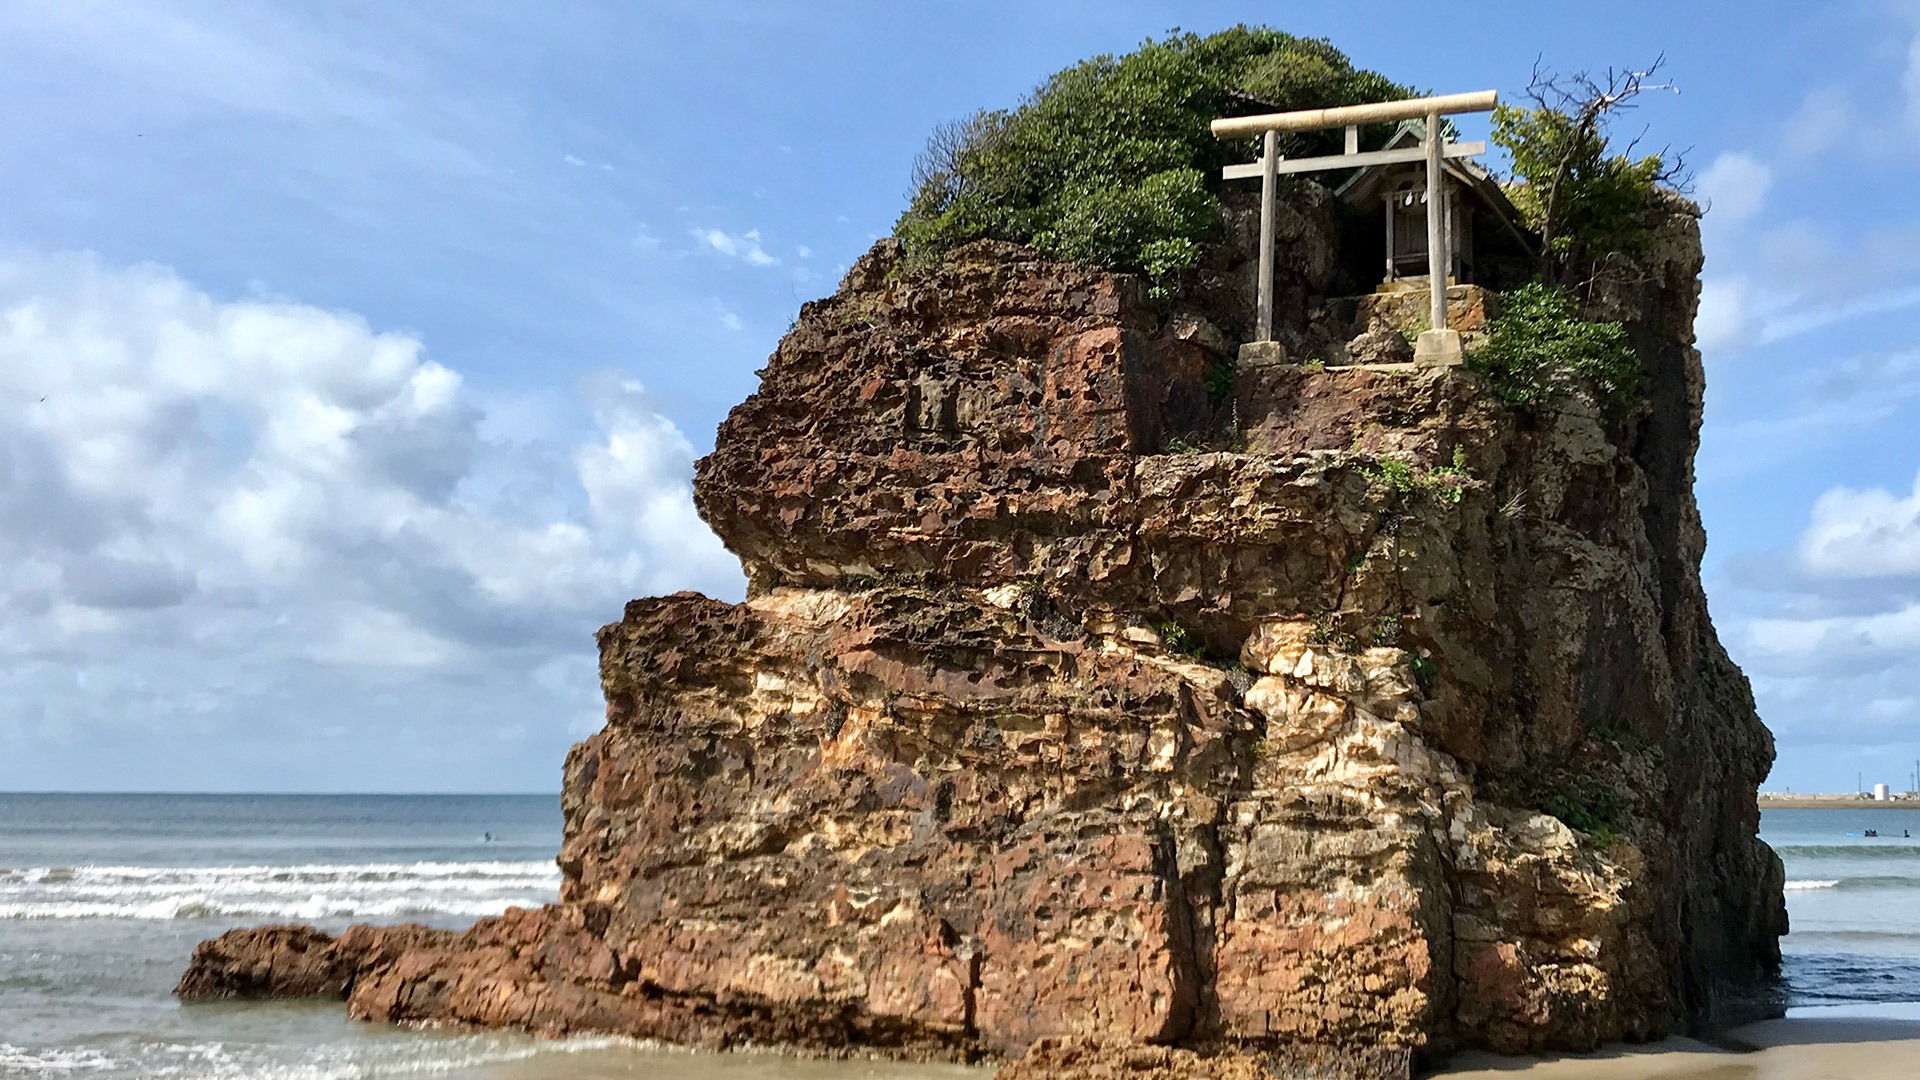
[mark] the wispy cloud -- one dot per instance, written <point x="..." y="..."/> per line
<point x="743" y="246"/>
<point x="1818" y="316"/>
<point x="1910" y="81"/>
<point x="1736" y="185"/>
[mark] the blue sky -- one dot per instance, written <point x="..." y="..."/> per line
<point x="376" y="342"/>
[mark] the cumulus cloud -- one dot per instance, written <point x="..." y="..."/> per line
<point x="1725" y="319"/>
<point x="208" y="509"/>
<point x="1833" y="644"/>
<point x="1864" y="533"/>
<point x="1736" y="185"/>
<point x="743" y="246"/>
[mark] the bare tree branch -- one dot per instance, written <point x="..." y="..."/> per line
<point x="939" y="162"/>
<point x="1589" y="102"/>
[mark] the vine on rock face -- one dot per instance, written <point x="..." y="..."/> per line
<point x="1111" y="162"/>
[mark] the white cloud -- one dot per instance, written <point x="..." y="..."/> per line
<point x="1910" y="81"/>
<point x="1897" y="631"/>
<point x="805" y="251"/>
<point x="1807" y="318"/>
<point x="1831" y="641"/>
<point x="728" y="317"/>
<point x="205" y="505"/>
<point x="1824" y="120"/>
<point x="1724" y="320"/>
<point x="1863" y="533"/>
<point x="1736" y="185"/>
<point x="744" y="246"/>
<point x="1737" y="311"/>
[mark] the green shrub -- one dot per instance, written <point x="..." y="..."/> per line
<point x="1587" y="205"/>
<point x="1598" y="200"/>
<point x="1111" y="161"/>
<point x="1539" y="348"/>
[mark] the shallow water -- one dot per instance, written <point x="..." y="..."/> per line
<point x="102" y="897"/>
<point x="1853" y="902"/>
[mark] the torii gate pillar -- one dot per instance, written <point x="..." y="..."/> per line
<point x="1439" y="344"/>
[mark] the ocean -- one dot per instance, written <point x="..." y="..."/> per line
<point x="1853" y="902"/>
<point x="102" y="897"/>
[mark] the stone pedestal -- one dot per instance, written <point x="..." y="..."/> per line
<point x="1263" y="352"/>
<point x="1439" y="348"/>
<point x="1402" y="305"/>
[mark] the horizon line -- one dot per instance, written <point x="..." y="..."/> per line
<point x="331" y="794"/>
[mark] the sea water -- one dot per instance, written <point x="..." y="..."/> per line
<point x="102" y="898"/>
<point x="1853" y="902"/>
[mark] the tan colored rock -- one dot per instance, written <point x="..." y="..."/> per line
<point x="943" y="786"/>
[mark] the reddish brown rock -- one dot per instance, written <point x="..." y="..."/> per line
<point x="266" y="961"/>
<point x="294" y="961"/>
<point x="1082" y="709"/>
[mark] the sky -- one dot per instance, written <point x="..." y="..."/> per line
<point x="354" y="356"/>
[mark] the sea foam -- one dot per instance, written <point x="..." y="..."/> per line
<point x="307" y="892"/>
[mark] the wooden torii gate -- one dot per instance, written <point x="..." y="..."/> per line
<point x="1441" y="344"/>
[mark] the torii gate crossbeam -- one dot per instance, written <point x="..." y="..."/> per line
<point x="1446" y="343"/>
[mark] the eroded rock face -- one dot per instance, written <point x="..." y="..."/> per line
<point x="1040" y="729"/>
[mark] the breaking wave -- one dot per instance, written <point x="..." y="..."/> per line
<point x="374" y="890"/>
<point x="428" y="1056"/>
<point x="1892" y="849"/>
<point x="1856" y="883"/>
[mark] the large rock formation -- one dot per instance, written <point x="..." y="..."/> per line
<point x="1042" y="729"/>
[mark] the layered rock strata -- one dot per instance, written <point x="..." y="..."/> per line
<point x="1393" y="723"/>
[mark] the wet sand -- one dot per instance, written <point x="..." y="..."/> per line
<point x="1880" y="1042"/>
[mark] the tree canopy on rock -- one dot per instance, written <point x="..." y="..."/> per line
<point x="1111" y="162"/>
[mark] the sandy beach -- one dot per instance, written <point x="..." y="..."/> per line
<point x="1882" y="1043"/>
<point x="1877" y="1043"/>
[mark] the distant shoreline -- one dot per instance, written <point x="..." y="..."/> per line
<point x="1779" y="801"/>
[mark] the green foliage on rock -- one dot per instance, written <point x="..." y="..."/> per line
<point x="1539" y="349"/>
<point x="1589" y="205"/>
<point x="1179" y="639"/>
<point x="1111" y="162"/>
<point x="1447" y="483"/>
